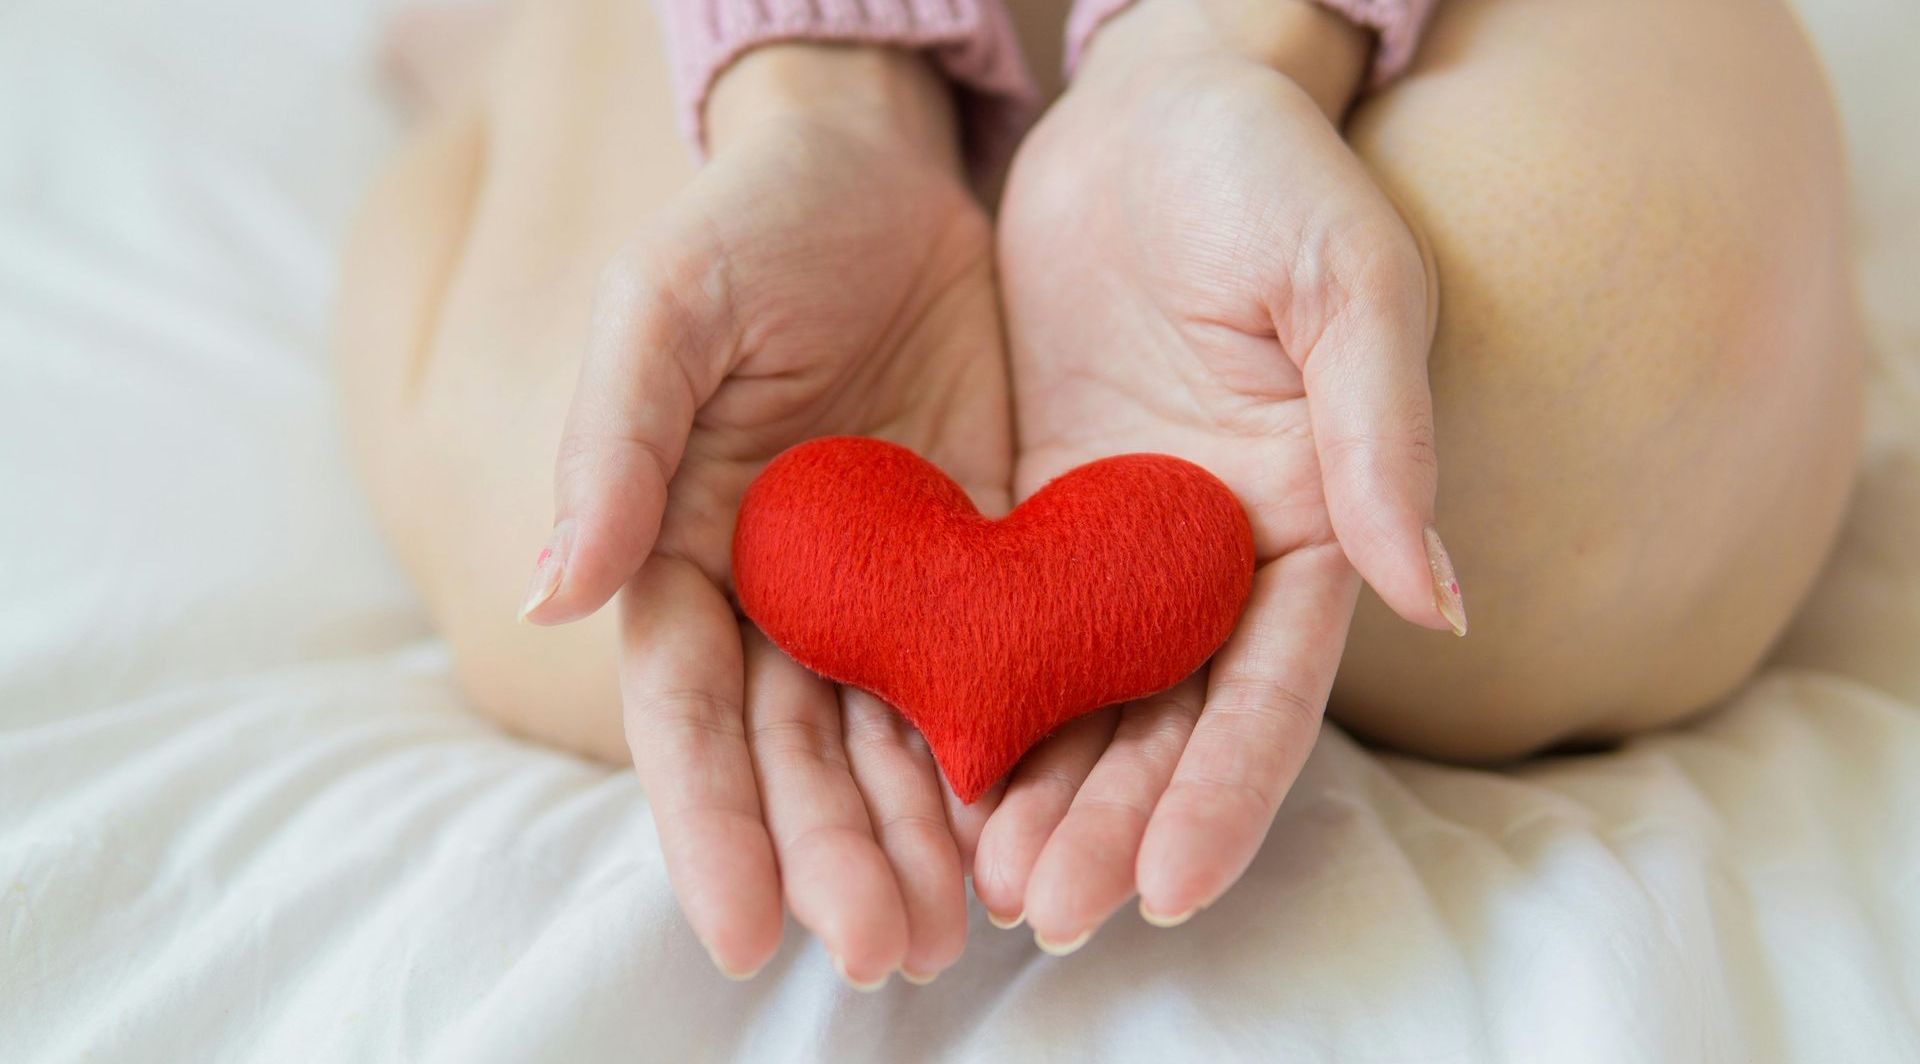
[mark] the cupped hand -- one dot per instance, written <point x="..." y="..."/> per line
<point x="827" y="272"/>
<point x="1195" y="263"/>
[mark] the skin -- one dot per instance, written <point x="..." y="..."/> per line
<point x="1278" y="338"/>
<point x="701" y="369"/>
<point x="1325" y="288"/>
<point x="734" y="328"/>
<point x="725" y="326"/>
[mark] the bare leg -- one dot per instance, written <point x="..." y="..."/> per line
<point x="1645" y="375"/>
<point x="464" y="311"/>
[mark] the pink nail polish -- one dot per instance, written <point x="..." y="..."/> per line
<point x="1446" y="587"/>
<point x="548" y="570"/>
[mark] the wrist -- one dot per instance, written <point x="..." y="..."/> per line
<point x="1319" y="50"/>
<point x="886" y="93"/>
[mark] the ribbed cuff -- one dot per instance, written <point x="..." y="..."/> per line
<point x="1397" y="24"/>
<point x="971" y="41"/>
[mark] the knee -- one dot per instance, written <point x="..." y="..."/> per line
<point x="439" y="497"/>
<point x="1646" y="396"/>
<point x="1632" y="526"/>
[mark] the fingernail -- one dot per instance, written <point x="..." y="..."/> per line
<point x="1158" y="920"/>
<point x="1061" y="949"/>
<point x="1006" y="923"/>
<point x="732" y="973"/>
<point x="1446" y="588"/>
<point x="918" y="980"/>
<point x="548" y="568"/>
<point x="840" y="966"/>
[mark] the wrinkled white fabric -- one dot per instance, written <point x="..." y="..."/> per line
<point x="245" y="816"/>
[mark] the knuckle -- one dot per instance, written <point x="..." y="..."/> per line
<point x="1131" y="802"/>
<point x="798" y="737"/>
<point x="1365" y="264"/>
<point x="679" y="283"/>
<point x="627" y="271"/>
<point x="1222" y="799"/>
<point x="690" y="717"/>
<point x="1409" y="449"/>
<point x="578" y="457"/>
<point x="1158" y="730"/>
<point x="824" y="837"/>
<point x="869" y="731"/>
<point x="1047" y="780"/>
<point x="916" y="742"/>
<point x="1380" y="260"/>
<point x="1265" y="713"/>
<point x="917" y="830"/>
<point x="590" y="458"/>
<point x="1165" y="736"/>
<point x="1380" y="460"/>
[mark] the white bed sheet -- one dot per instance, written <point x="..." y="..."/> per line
<point x="246" y="817"/>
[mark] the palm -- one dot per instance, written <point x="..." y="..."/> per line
<point x="1156" y="390"/>
<point x="885" y="323"/>
<point x="1180" y="352"/>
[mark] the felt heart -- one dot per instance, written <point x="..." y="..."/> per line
<point x="870" y="566"/>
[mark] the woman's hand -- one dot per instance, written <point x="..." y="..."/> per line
<point x="1195" y="263"/>
<point x="827" y="272"/>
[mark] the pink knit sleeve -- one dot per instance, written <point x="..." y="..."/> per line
<point x="1397" y="22"/>
<point x="972" y="41"/>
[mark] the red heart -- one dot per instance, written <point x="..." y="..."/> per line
<point x="871" y="567"/>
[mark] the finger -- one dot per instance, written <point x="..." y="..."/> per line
<point x="1372" y="413"/>
<point x="1085" y="871"/>
<point x="901" y="786"/>
<point x="658" y="350"/>
<point x="1036" y="798"/>
<point x="1266" y="693"/>
<point x="968" y="821"/>
<point x="835" y="878"/>
<point x="680" y="680"/>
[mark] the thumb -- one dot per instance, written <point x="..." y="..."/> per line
<point x="656" y="352"/>
<point x="1372" y="413"/>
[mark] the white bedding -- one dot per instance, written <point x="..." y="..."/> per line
<point x="245" y="816"/>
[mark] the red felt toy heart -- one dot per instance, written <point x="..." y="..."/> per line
<point x="871" y="567"/>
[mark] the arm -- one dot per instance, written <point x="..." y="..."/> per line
<point x="1275" y="32"/>
<point x="969" y="42"/>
